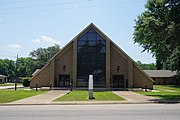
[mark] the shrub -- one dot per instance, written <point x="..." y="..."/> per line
<point x="25" y="81"/>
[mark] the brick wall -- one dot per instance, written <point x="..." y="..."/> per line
<point x="64" y="63"/>
<point x="140" y="79"/>
<point x="43" y="77"/>
<point x="118" y="60"/>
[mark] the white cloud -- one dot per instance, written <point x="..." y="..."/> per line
<point x="45" y="39"/>
<point x="36" y="41"/>
<point x="14" y="46"/>
<point x="131" y="42"/>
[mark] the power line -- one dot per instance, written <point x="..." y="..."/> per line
<point x="99" y="5"/>
<point x="19" y="1"/>
<point x="5" y="55"/>
<point x="42" y="5"/>
<point x="4" y="51"/>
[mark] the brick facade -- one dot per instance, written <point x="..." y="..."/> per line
<point x="117" y="63"/>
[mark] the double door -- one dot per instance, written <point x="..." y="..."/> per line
<point x="118" y="81"/>
<point x="64" y="81"/>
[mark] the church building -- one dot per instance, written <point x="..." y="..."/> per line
<point x="91" y="52"/>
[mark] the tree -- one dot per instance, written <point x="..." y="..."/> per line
<point x="150" y="66"/>
<point x="157" y="30"/>
<point x="26" y="66"/>
<point x="42" y="55"/>
<point x="7" y="67"/>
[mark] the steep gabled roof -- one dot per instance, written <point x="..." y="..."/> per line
<point x="91" y="25"/>
<point x="160" y="73"/>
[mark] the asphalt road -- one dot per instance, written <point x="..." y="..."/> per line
<point x="92" y="112"/>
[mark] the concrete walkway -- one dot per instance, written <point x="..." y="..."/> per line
<point x="133" y="97"/>
<point x="45" y="98"/>
<point x="6" y="87"/>
<point x="10" y="87"/>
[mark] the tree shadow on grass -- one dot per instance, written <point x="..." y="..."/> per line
<point x="175" y="86"/>
<point x="167" y="98"/>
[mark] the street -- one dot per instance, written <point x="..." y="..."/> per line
<point x="92" y="112"/>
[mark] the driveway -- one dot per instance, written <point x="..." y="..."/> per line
<point x="133" y="97"/>
<point x="44" y="98"/>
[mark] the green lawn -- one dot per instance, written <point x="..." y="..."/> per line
<point x="10" y="84"/>
<point x="163" y="88"/>
<point x="165" y="92"/>
<point x="11" y="95"/>
<point x="83" y="96"/>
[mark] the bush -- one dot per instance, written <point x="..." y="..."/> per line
<point x="26" y="82"/>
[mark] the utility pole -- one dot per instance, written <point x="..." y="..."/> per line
<point x="16" y="67"/>
<point x="16" y="73"/>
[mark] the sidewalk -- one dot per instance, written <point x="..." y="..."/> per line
<point x="45" y="98"/>
<point x="10" y="87"/>
<point x="133" y="97"/>
<point x="6" y="87"/>
<point x="48" y="97"/>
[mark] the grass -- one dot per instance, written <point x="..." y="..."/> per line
<point x="165" y="92"/>
<point x="11" y="95"/>
<point x="83" y="96"/>
<point x="163" y="88"/>
<point x="10" y="84"/>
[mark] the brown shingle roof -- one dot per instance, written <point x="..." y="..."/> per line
<point x="160" y="73"/>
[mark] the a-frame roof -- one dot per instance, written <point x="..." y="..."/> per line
<point x="94" y="27"/>
<point x="91" y="25"/>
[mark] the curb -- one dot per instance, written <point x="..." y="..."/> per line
<point x="94" y="103"/>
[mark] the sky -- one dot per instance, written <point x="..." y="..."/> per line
<point x="26" y="25"/>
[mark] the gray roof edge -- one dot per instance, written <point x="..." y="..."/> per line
<point x="2" y="75"/>
<point x="161" y="73"/>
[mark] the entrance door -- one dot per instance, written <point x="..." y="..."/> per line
<point x="118" y="81"/>
<point x="64" y="81"/>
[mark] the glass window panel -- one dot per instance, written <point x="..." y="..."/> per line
<point x="99" y="37"/>
<point x="91" y="59"/>
<point x="84" y="37"/>
<point x="81" y="43"/>
<point x="92" y="43"/>
<point x="92" y="37"/>
<point x="91" y="31"/>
